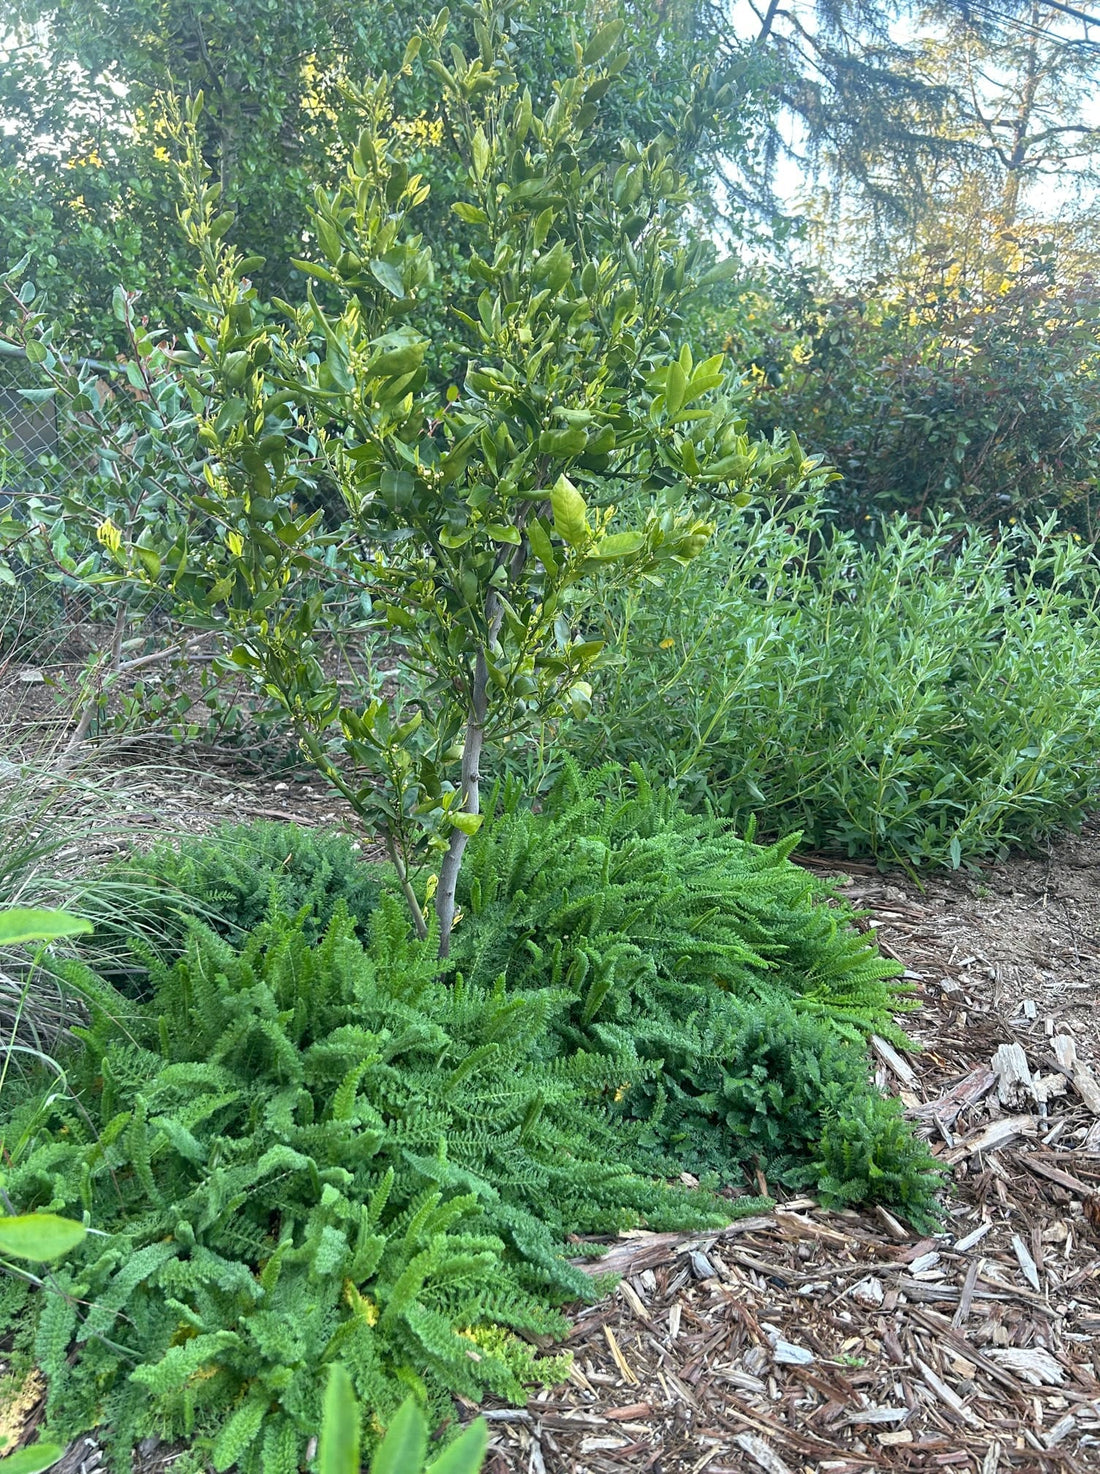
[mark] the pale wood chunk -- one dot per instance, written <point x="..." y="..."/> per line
<point x="992" y="1135"/>
<point x="1027" y="1264"/>
<point x="1009" y="1064"/>
<point x="762" y="1455"/>
<point x="885" y="1052"/>
<point x="1081" y="1077"/>
<point x="1032" y="1363"/>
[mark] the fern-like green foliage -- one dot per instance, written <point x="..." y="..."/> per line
<point x="637" y="907"/>
<point x="730" y="986"/>
<point x="306" y="1153"/>
<point x="233" y="880"/>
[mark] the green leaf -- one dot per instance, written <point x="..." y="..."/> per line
<point x="468" y="823"/>
<point x="675" y="389"/>
<point x="39" y="1236"/>
<point x="472" y="214"/>
<point x="338" y="1450"/>
<point x="35" y="352"/>
<point x="402" y="1450"/>
<point x="721" y="272"/>
<point x="465" y="1455"/>
<point x="149" y="561"/>
<point x="569" y="442"/>
<point x="542" y="547"/>
<point x="619" y="545"/>
<point x="570" y="512"/>
<point x="602" y="42"/>
<point x="23" y="924"/>
<point x="31" y="1460"/>
<point x="389" y="277"/>
<point x="502" y="534"/>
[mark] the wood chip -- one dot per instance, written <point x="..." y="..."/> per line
<point x="1031" y="1363"/>
<point x="1080" y="1076"/>
<point x="869" y="1291"/>
<point x="634" y="1300"/>
<point x="946" y="1394"/>
<point x="620" y="1360"/>
<point x="992" y="1136"/>
<point x="1061" y="1429"/>
<point x="961" y="1097"/>
<point x="1026" y="1262"/>
<point x="975" y="1237"/>
<point x="888" y="1055"/>
<point x="1013" y="1073"/>
<point x="761" y="1454"/>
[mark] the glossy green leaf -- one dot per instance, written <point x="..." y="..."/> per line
<point x="570" y="513"/>
<point x="338" y="1447"/>
<point x="402" y="1450"/>
<point x="466" y="1454"/>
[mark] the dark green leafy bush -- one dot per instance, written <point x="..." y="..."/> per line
<point x="933" y="698"/>
<point x="299" y="1154"/>
<point x="965" y="389"/>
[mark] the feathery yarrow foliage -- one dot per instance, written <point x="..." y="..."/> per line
<point x="729" y="985"/>
<point x="638" y="908"/>
<point x="307" y="1153"/>
<point x="234" y="879"/>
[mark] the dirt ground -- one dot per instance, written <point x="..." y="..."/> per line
<point x="812" y="1342"/>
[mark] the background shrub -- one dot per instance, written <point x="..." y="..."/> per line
<point x="933" y="697"/>
<point x="940" y="389"/>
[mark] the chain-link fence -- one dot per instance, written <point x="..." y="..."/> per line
<point x="29" y="430"/>
<point x="42" y="446"/>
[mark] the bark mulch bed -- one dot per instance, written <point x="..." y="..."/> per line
<point x="829" y="1343"/>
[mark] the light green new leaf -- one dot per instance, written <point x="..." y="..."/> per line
<point x="338" y="1450"/>
<point x="402" y="1450"/>
<point x="570" y="513"/>
<point x="31" y="1460"/>
<point x="675" y="389"/>
<point x="23" y="924"/>
<point x="620" y="545"/>
<point x="465" y="1455"/>
<point x="39" y="1236"/>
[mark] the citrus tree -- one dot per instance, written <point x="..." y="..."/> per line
<point x="469" y="516"/>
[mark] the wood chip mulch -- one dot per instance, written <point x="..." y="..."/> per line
<point x="814" y="1342"/>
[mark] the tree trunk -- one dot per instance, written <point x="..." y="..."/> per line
<point x="471" y="803"/>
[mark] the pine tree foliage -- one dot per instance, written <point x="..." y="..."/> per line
<point x="301" y="1153"/>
